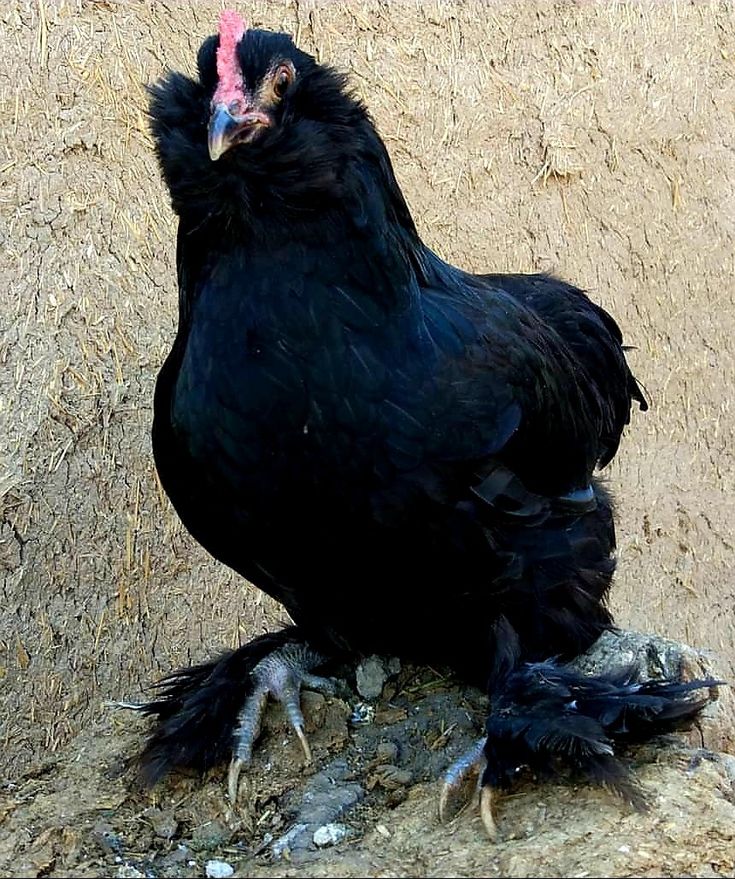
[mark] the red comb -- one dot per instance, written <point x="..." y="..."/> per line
<point x="231" y="31"/>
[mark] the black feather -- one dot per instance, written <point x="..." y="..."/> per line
<point x="551" y="718"/>
<point x="197" y="708"/>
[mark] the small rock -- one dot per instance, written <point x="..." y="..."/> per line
<point x="329" y="834"/>
<point x="285" y="845"/>
<point x="389" y="777"/>
<point x="386" y="752"/>
<point x="218" y="870"/>
<point x="163" y="823"/>
<point x="362" y="713"/>
<point x="128" y="871"/>
<point x="208" y="836"/>
<point x="372" y="673"/>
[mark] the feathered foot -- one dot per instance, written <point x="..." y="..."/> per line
<point x="213" y="712"/>
<point x="551" y="719"/>
<point x="280" y="675"/>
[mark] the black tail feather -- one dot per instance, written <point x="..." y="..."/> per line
<point x="549" y="717"/>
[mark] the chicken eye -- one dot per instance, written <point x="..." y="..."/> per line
<point x="282" y="80"/>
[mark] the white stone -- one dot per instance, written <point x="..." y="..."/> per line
<point x="218" y="870"/>
<point x="329" y="834"/>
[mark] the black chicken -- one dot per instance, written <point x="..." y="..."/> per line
<point x="353" y="424"/>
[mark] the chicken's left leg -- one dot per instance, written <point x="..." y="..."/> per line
<point x="461" y="781"/>
<point x="544" y="715"/>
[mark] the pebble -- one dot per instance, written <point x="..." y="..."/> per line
<point x="128" y="871"/>
<point x="209" y="836"/>
<point x="362" y="714"/>
<point x="386" y="752"/>
<point x="218" y="870"/>
<point x="329" y="834"/>
<point x="163" y="823"/>
<point x="372" y="673"/>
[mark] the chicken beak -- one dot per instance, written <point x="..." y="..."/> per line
<point x="226" y="129"/>
<point x="223" y="127"/>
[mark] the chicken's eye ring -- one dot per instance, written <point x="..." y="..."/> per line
<point x="282" y="79"/>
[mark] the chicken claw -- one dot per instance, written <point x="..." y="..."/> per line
<point x="461" y="781"/>
<point x="486" y="812"/>
<point x="280" y="675"/>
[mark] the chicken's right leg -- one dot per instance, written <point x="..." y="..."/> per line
<point x="280" y="675"/>
<point x="214" y="711"/>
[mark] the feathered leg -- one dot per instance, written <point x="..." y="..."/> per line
<point x="551" y="718"/>
<point x="544" y="714"/>
<point x="213" y="711"/>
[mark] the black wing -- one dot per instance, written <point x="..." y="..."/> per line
<point x="521" y="389"/>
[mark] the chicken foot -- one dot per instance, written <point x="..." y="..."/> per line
<point x="461" y="781"/>
<point x="280" y="675"/>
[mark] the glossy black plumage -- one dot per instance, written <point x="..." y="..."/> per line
<point x="548" y="717"/>
<point x="355" y="425"/>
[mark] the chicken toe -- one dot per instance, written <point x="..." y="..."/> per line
<point x="280" y="675"/>
<point x="461" y="782"/>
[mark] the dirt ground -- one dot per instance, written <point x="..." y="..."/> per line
<point x="592" y="140"/>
